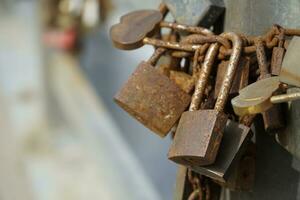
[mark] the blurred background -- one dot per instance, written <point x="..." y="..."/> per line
<point x="62" y="136"/>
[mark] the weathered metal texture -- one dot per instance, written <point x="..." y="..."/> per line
<point x="241" y="76"/>
<point x="153" y="99"/>
<point x="185" y="81"/>
<point x="255" y="17"/>
<point x="290" y="137"/>
<point x="183" y="186"/>
<point x="197" y="138"/>
<point x="290" y="72"/>
<point x="133" y="28"/>
<point x="195" y="12"/>
<point x="234" y="138"/>
<point x="199" y="133"/>
<point x="273" y="117"/>
<point x="193" y="129"/>
<point x="276" y="60"/>
<point x="243" y="173"/>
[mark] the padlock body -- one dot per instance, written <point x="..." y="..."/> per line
<point x="241" y="76"/>
<point x="153" y="99"/>
<point x="276" y="60"/>
<point x="233" y="145"/>
<point x="185" y="81"/>
<point x="198" y="137"/>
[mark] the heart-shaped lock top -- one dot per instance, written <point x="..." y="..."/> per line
<point x="255" y="98"/>
<point x="133" y="28"/>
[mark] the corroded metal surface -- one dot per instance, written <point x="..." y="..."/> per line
<point x="197" y="137"/>
<point x="240" y="79"/>
<point x="231" y="69"/>
<point x="201" y="83"/>
<point x="273" y="117"/>
<point x="153" y="99"/>
<point x="234" y="139"/>
<point x="195" y="12"/>
<point x="276" y="61"/>
<point x="183" y="80"/>
<point x="133" y="28"/>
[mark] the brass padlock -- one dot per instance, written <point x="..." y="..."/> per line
<point x="240" y="79"/>
<point x="152" y="98"/>
<point x="277" y="55"/>
<point x="199" y="133"/>
<point x="273" y="117"/>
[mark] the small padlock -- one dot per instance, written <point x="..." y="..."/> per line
<point x="152" y="98"/>
<point x="199" y="133"/>
<point x="290" y="72"/>
<point x="273" y="117"/>
<point x="240" y="79"/>
<point x="277" y="55"/>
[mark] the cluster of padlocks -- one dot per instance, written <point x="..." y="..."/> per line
<point x="209" y="91"/>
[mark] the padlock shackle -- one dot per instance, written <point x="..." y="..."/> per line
<point x="171" y="45"/>
<point x="201" y="83"/>
<point x="186" y="28"/>
<point x="231" y="69"/>
<point x="261" y="57"/>
<point x="156" y="55"/>
<point x="201" y="39"/>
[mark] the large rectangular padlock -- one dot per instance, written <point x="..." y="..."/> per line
<point x="199" y="132"/>
<point x="153" y="99"/>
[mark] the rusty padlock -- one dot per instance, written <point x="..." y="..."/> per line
<point x="277" y="55"/>
<point x="199" y="133"/>
<point x="240" y="79"/>
<point x="178" y="151"/>
<point x="235" y="138"/>
<point x="152" y="98"/>
<point x="273" y="118"/>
